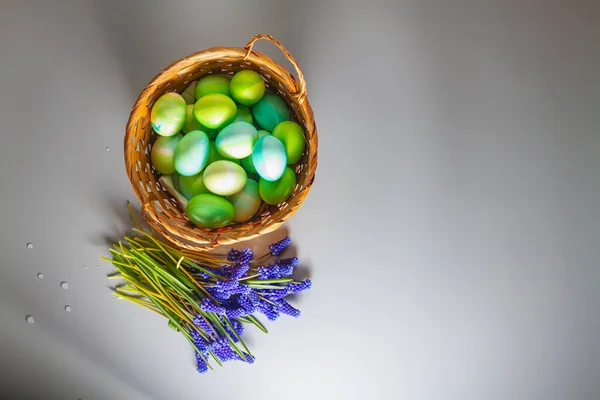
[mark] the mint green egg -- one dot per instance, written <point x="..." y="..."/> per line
<point x="269" y="158"/>
<point x="191" y="153"/>
<point x="270" y="111"/>
<point x="168" y="114"/>
<point x="212" y="84"/>
<point x="191" y="124"/>
<point x="247" y="87"/>
<point x="243" y="114"/>
<point x="246" y="202"/>
<point x="209" y="211"/>
<point x="162" y="154"/>
<point x="224" y="178"/>
<point x="247" y="163"/>
<point x="189" y="93"/>
<point x="292" y="136"/>
<point x="214" y="155"/>
<point x="236" y="140"/>
<point x="215" y="110"/>
<point x="278" y="191"/>
<point x="190" y="186"/>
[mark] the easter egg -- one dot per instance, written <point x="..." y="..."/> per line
<point x="168" y="114"/>
<point x="215" y="110"/>
<point x="269" y="158"/>
<point x="190" y="186"/>
<point x="189" y="94"/>
<point x="243" y="114"/>
<point x="292" y="136"/>
<point x="191" y="124"/>
<point x="247" y="202"/>
<point x="191" y="153"/>
<point x="212" y="84"/>
<point x="214" y="155"/>
<point x="278" y="191"/>
<point x="247" y="87"/>
<point x="162" y="154"/>
<point x="247" y="163"/>
<point x="236" y="140"/>
<point x="224" y="177"/>
<point x="209" y="211"/>
<point x="270" y="111"/>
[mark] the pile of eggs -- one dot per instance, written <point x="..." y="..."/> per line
<point x="225" y="146"/>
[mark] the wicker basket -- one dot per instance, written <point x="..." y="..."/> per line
<point x="159" y="208"/>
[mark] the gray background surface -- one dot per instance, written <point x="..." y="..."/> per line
<point x="452" y="232"/>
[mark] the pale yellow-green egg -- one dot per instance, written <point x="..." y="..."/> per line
<point x="236" y="140"/>
<point x="292" y="136"/>
<point x="212" y="84"/>
<point x="246" y="202"/>
<point x="214" y="155"/>
<point x="188" y="94"/>
<point x="168" y="114"/>
<point x="162" y="154"/>
<point x="224" y="178"/>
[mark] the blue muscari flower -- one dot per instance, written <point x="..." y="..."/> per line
<point x="202" y="324"/>
<point x="233" y="255"/>
<point x="236" y="312"/>
<point x="245" y="302"/>
<point x="286" y="308"/>
<point x="278" y="247"/>
<point x="207" y="305"/>
<point x="271" y="271"/>
<point x="268" y="310"/>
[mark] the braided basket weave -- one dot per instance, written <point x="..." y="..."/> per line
<point x="159" y="208"/>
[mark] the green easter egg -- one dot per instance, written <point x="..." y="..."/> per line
<point x="215" y="110"/>
<point x="247" y="163"/>
<point x="224" y="178"/>
<point x="214" y="155"/>
<point x="162" y="154"/>
<point x="292" y="136"/>
<point x="168" y="114"/>
<point x="191" y="124"/>
<point x="243" y="114"/>
<point x="277" y="192"/>
<point x="212" y="84"/>
<point x="247" y="87"/>
<point x="209" y="211"/>
<point x="191" y="153"/>
<point x="190" y="186"/>
<point x="189" y="94"/>
<point x="270" y="111"/>
<point x="247" y="202"/>
<point x="236" y="140"/>
<point x="269" y="158"/>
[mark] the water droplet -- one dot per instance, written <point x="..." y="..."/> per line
<point x="30" y="319"/>
<point x="107" y="149"/>
<point x="30" y="245"/>
<point x="98" y="266"/>
<point x="68" y="308"/>
<point x="41" y="276"/>
<point x="85" y="267"/>
<point x="64" y="285"/>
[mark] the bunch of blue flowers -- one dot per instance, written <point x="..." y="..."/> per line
<point x="206" y="298"/>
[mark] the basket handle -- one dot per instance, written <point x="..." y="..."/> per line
<point x="300" y="95"/>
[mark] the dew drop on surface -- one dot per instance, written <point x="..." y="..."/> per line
<point x="98" y="266"/>
<point x="30" y="245"/>
<point x="30" y="319"/>
<point x="68" y="308"/>
<point x="85" y="267"/>
<point x="64" y="285"/>
<point x="41" y="276"/>
<point x="107" y="149"/>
